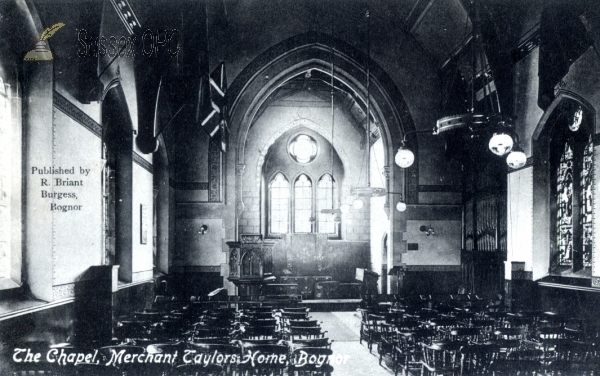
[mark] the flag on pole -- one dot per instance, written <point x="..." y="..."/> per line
<point x="212" y="112"/>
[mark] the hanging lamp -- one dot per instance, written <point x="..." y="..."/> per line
<point x="343" y="209"/>
<point x="490" y="123"/>
<point x="367" y="191"/>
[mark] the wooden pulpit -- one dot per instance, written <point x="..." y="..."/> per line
<point x="251" y="263"/>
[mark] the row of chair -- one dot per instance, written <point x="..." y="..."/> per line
<point x="467" y="340"/>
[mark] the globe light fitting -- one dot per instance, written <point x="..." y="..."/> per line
<point x="516" y="158"/>
<point x="401" y="206"/>
<point x="501" y="143"/>
<point x="358" y="203"/>
<point x="404" y="157"/>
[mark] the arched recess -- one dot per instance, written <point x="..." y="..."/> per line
<point x="542" y="142"/>
<point x="313" y="50"/>
<point x="117" y="140"/>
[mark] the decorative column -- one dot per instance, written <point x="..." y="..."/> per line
<point x="239" y="200"/>
<point x="386" y="174"/>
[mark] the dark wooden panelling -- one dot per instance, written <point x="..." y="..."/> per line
<point x="191" y="283"/>
<point x="431" y="282"/>
<point x="439" y="212"/>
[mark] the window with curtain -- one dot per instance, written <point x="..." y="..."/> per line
<point x="325" y="197"/>
<point x="279" y="204"/>
<point x="303" y="197"/>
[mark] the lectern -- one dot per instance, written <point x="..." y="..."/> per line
<point x="369" y="279"/>
<point x="251" y="263"/>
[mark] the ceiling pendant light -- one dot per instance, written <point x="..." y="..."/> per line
<point x="358" y="203"/>
<point x="490" y="120"/>
<point x="404" y="157"/>
<point x="516" y="158"/>
<point x="367" y="191"/>
<point x="345" y="208"/>
<point x="501" y="143"/>
<point x="401" y="206"/>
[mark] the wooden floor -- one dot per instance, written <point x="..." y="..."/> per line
<point x="344" y="328"/>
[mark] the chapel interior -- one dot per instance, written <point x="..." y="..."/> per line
<point x="399" y="187"/>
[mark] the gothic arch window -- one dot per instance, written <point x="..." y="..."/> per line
<point x="326" y="194"/>
<point x="571" y="205"/>
<point x="299" y="207"/>
<point x="279" y="204"/>
<point x="585" y="192"/>
<point x="564" y="207"/>
<point x="303" y="204"/>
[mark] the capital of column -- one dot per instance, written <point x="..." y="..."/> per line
<point x="386" y="171"/>
<point x="240" y="169"/>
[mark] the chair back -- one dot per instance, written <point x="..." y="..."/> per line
<point x="304" y="323"/>
<point x="312" y="342"/>
<point x="260" y="332"/>
<point x="476" y="358"/>
<point x="436" y="359"/>
<point x="302" y="332"/>
<point x="294" y="315"/>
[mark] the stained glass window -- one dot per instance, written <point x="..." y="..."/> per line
<point x="564" y="213"/>
<point x="586" y="202"/>
<point x="303" y="204"/>
<point x="279" y="204"/>
<point x="325" y="195"/>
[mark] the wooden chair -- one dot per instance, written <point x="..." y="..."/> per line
<point x="299" y="332"/>
<point x="297" y="309"/>
<point x="508" y="339"/>
<point x="406" y="353"/>
<point x="486" y="326"/>
<point x="295" y="315"/>
<point x="370" y="329"/>
<point x="260" y="332"/>
<point x="477" y="358"/>
<point x="305" y="323"/>
<point x="436" y="361"/>
<point x="518" y="362"/>
<point x="311" y="342"/>
<point x="203" y="333"/>
<point x="388" y="338"/>
<point x="574" y="358"/>
<point x="129" y="330"/>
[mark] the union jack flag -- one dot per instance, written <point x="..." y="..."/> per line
<point x="212" y="112"/>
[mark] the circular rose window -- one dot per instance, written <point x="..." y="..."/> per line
<point x="303" y="149"/>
